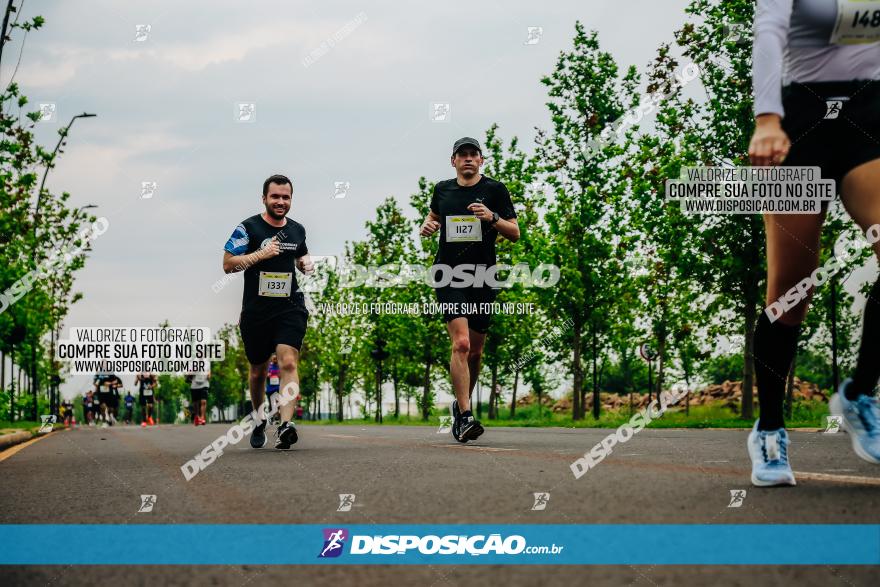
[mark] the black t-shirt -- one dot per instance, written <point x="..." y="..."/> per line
<point x="469" y="240"/>
<point x="270" y="286"/>
<point x="146" y="380"/>
<point x="107" y="382"/>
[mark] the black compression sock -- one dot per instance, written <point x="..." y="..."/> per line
<point x="775" y="345"/>
<point x="466" y="414"/>
<point x="868" y="366"/>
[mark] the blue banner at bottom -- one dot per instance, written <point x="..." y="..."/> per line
<point x="418" y="544"/>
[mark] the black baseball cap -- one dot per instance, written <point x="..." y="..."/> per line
<point x="465" y="141"/>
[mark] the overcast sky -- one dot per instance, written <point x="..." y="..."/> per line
<point x="358" y="113"/>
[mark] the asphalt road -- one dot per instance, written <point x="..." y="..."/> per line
<point x="409" y="475"/>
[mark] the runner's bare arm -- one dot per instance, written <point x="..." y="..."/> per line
<point x="235" y="263"/>
<point x="508" y="228"/>
<point x="430" y="225"/>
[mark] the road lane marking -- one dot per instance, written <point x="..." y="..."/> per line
<point x="838" y="478"/>
<point x="485" y="448"/>
<point x="14" y="449"/>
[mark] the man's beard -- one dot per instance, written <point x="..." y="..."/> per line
<point x="276" y="215"/>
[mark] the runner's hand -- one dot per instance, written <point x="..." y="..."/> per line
<point x="429" y="227"/>
<point x="770" y="144"/>
<point x="273" y="249"/>
<point x="481" y="212"/>
<point x="306" y="265"/>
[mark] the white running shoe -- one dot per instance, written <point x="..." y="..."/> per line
<point x="861" y="419"/>
<point x="768" y="450"/>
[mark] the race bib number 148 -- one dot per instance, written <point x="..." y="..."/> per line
<point x="858" y="21"/>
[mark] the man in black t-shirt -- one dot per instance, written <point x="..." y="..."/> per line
<point x="469" y="211"/>
<point x="107" y="389"/>
<point x="147" y="383"/>
<point x="267" y="247"/>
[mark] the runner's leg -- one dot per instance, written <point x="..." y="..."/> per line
<point x="257" y="381"/>
<point x="459" y="367"/>
<point x="288" y="365"/>
<point x="861" y="198"/>
<point x="855" y="400"/>
<point x="475" y="357"/>
<point x="792" y="255"/>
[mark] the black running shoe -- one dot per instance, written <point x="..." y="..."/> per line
<point x="469" y="429"/>
<point x="286" y="436"/>
<point x="258" y="436"/>
<point x="456" y="417"/>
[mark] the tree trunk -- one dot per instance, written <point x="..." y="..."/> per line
<point x="751" y="319"/>
<point x="577" y="376"/>
<point x="340" y="386"/>
<point x="394" y="378"/>
<point x="513" y="400"/>
<point x="789" y="391"/>
<point x="596" y="400"/>
<point x="493" y="399"/>
<point x="426" y="391"/>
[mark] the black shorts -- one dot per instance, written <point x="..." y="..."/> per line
<point x="105" y="398"/>
<point x="199" y="394"/>
<point x="849" y="137"/>
<point x="261" y="336"/>
<point x="470" y="303"/>
<point x="147" y="399"/>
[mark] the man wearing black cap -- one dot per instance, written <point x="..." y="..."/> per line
<point x="470" y="211"/>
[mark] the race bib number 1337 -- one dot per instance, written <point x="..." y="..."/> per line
<point x="275" y="285"/>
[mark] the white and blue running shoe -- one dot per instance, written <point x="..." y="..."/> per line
<point x="768" y="450"/>
<point x="861" y="419"/>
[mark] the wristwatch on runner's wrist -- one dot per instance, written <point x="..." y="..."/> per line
<point x="494" y="218"/>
